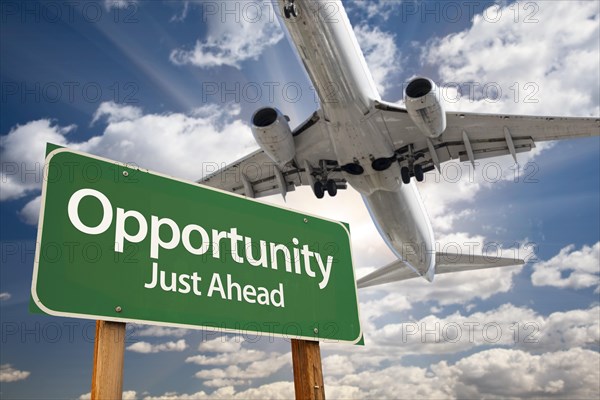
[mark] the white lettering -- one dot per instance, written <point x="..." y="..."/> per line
<point x="120" y="232"/>
<point x="73" y="209"/>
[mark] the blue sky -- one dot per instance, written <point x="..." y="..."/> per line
<point x="166" y="84"/>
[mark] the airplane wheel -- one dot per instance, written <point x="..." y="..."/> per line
<point x="331" y="188"/>
<point x="293" y="10"/>
<point x="419" y="173"/>
<point x="319" y="190"/>
<point x="286" y="12"/>
<point x="405" y="173"/>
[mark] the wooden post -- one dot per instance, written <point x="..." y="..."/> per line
<point x="109" y="349"/>
<point x="308" y="372"/>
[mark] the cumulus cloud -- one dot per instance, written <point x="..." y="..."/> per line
<point x="507" y="325"/>
<point x="31" y="212"/>
<point x="255" y="370"/>
<point x="562" y="69"/>
<point x="242" y="356"/>
<point x="223" y="344"/>
<point x="559" y="374"/>
<point x="158" y="331"/>
<point x="570" y="268"/>
<point x="145" y="347"/>
<point x="114" y="112"/>
<point x="235" y="39"/>
<point x="494" y="373"/>
<point x="9" y="374"/>
<point x="22" y="155"/>
<point x="181" y="145"/>
<point x="381" y="54"/>
<point x="270" y="391"/>
<point x="337" y="365"/>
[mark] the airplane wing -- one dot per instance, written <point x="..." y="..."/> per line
<point x="444" y="263"/>
<point x="468" y="137"/>
<point x="256" y="175"/>
<point x="473" y="136"/>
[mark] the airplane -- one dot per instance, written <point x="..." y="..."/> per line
<point x="377" y="147"/>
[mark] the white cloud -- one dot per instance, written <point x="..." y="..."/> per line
<point x="242" y="356"/>
<point x="119" y="4"/>
<point x="507" y="325"/>
<point x="562" y="69"/>
<point x="570" y="268"/>
<point x="255" y="370"/>
<point x="9" y="374"/>
<point x="367" y="9"/>
<point x="494" y="373"/>
<point x="158" y="331"/>
<point x="573" y="374"/>
<point x="234" y="39"/>
<point x="145" y="347"/>
<point x="222" y="344"/>
<point x="31" y="212"/>
<point x="270" y="391"/>
<point x="381" y="54"/>
<point x="184" y="146"/>
<point x="4" y="296"/>
<point x="116" y="112"/>
<point x="22" y="155"/>
<point x="337" y="365"/>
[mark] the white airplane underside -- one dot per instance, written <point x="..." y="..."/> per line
<point x="376" y="147"/>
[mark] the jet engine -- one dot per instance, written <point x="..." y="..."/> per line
<point x="423" y="103"/>
<point x="273" y="134"/>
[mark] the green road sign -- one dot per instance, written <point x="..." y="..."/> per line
<point x="124" y="244"/>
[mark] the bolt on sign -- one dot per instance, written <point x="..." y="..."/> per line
<point x="125" y="244"/>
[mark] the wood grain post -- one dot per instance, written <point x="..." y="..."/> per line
<point x="109" y="349"/>
<point x="308" y="372"/>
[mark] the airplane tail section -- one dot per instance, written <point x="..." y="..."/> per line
<point x="444" y="263"/>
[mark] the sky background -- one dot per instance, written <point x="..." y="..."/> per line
<point x="170" y="86"/>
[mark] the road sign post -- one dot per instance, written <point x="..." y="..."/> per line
<point x="109" y="349"/>
<point x="308" y="370"/>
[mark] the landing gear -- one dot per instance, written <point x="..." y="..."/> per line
<point x="408" y="158"/>
<point x="290" y="10"/>
<point x="418" y="171"/>
<point x="405" y="173"/>
<point x="331" y="188"/>
<point x="319" y="190"/>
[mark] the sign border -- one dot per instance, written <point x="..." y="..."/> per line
<point x="49" y="311"/>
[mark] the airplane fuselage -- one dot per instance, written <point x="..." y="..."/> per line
<point x="329" y="50"/>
